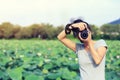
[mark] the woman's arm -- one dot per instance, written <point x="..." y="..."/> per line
<point x="67" y="42"/>
<point x="97" y="54"/>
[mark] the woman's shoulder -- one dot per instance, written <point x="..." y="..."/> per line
<point x="100" y="42"/>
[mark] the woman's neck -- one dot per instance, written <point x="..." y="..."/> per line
<point x="86" y="44"/>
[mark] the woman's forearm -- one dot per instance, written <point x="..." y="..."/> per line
<point x="62" y="35"/>
<point x="98" y="53"/>
<point x="67" y="42"/>
<point x="95" y="54"/>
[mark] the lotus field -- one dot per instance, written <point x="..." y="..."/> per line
<point x="48" y="60"/>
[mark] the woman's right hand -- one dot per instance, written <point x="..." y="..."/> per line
<point x="80" y="25"/>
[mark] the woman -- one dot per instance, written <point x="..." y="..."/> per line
<point x="91" y="53"/>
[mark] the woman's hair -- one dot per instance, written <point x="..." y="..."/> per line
<point x="80" y="20"/>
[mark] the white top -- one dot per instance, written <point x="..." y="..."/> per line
<point x="88" y="69"/>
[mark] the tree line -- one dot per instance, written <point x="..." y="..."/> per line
<point x="43" y="31"/>
<point x="48" y="31"/>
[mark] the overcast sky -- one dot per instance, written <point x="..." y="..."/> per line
<point x="58" y="12"/>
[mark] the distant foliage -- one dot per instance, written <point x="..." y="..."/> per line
<point x="111" y="31"/>
<point x="43" y="31"/>
<point x="48" y="31"/>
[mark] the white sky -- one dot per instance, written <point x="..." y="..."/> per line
<point x="57" y="12"/>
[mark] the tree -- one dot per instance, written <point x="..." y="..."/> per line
<point x="110" y="31"/>
<point x="35" y="28"/>
<point x="57" y="30"/>
<point x="7" y="30"/>
<point x="95" y="31"/>
<point x="24" y="32"/>
<point x="47" y="31"/>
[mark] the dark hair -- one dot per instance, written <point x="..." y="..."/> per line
<point x="79" y="20"/>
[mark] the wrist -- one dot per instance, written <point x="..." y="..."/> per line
<point x="90" y="42"/>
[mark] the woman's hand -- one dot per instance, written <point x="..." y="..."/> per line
<point x="81" y="26"/>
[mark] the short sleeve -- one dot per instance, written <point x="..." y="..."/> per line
<point x="78" y="47"/>
<point x="101" y="43"/>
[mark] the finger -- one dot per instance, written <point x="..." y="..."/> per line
<point x="85" y="25"/>
<point x="82" y="27"/>
<point x="70" y="27"/>
<point x="75" y="25"/>
<point x="80" y="37"/>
